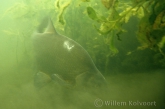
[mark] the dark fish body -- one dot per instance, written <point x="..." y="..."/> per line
<point x="57" y="54"/>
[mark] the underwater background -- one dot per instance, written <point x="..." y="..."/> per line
<point x="124" y="38"/>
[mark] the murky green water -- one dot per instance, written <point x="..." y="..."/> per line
<point x="130" y="80"/>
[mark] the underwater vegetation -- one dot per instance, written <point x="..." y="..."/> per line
<point x="125" y="39"/>
<point x="99" y="25"/>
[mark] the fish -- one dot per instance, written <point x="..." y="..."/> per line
<point x="62" y="59"/>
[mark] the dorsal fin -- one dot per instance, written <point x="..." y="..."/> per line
<point x="50" y="27"/>
<point x="46" y="26"/>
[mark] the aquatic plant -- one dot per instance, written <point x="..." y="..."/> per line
<point x="151" y="15"/>
<point x="97" y="24"/>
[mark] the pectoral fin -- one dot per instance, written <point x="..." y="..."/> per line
<point x="82" y="79"/>
<point x="90" y="80"/>
<point x="41" y="79"/>
<point x="57" y="79"/>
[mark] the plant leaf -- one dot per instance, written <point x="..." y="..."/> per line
<point x="61" y="19"/>
<point x="92" y="14"/>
